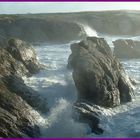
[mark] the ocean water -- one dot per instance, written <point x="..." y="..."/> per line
<point x="56" y="83"/>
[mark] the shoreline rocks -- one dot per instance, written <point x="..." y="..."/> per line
<point x="98" y="75"/>
<point x="99" y="78"/>
<point x="127" y="49"/>
<point x="25" y="53"/>
<point x="90" y="114"/>
<point x="19" y="104"/>
<point x="16" y="117"/>
<point x="63" y="27"/>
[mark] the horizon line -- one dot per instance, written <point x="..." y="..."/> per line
<point x="65" y="12"/>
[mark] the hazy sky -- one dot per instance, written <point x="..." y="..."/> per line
<point x="45" y="7"/>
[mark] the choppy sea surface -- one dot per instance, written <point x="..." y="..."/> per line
<point x="56" y="83"/>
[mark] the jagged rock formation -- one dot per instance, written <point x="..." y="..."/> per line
<point x="126" y="48"/>
<point x="25" y="53"/>
<point x="99" y="78"/>
<point x="98" y="75"/>
<point x="18" y="103"/>
<point x="16" y="116"/>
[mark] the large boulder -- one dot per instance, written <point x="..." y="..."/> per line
<point x="24" y="52"/>
<point x="126" y="48"/>
<point x="98" y="75"/>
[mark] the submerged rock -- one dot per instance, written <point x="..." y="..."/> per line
<point x="98" y="75"/>
<point x="90" y="114"/>
<point x="126" y="48"/>
<point x="25" y="53"/>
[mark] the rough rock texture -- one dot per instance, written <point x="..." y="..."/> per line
<point x="126" y="48"/>
<point x="100" y="80"/>
<point x="16" y="118"/>
<point x="24" y="52"/>
<point x="18" y="103"/>
<point x="98" y="75"/>
<point x="16" y="85"/>
<point x="90" y="114"/>
<point x="9" y="66"/>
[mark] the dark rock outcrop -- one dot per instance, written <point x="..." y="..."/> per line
<point x="98" y="75"/>
<point x="16" y="117"/>
<point x="126" y="48"/>
<point x="18" y="103"/>
<point x="16" y="84"/>
<point x="25" y="53"/>
<point x="99" y="78"/>
<point x="90" y="114"/>
<point x="9" y="65"/>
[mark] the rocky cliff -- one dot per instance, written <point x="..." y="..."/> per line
<point x="35" y="30"/>
<point x="64" y="27"/>
<point x="18" y="103"/>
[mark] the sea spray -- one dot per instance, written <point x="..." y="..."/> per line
<point x="57" y="84"/>
<point x="90" y="31"/>
<point x="87" y="31"/>
<point x="60" y="122"/>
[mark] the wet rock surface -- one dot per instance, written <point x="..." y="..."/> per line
<point x="126" y="48"/>
<point x="90" y="114"/>
<point x="9" y="66"/>
<point x="98" y="75"/>
<point x="99" y="78"/>
<point x="18" y="103"/>
<point x="25" y="53"/>
<point x="16" y="85"/>
<point x="16" y="118"/>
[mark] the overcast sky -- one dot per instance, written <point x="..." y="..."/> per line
<point x="49" y="7"/>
